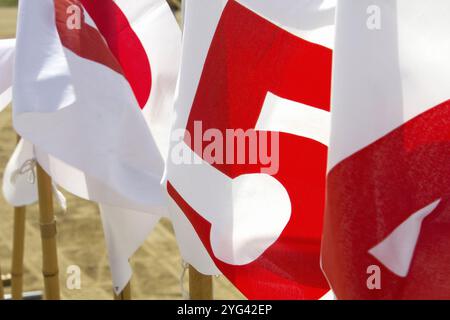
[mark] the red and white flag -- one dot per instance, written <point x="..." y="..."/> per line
<point x="6" y="71"/>
<point x="387" y="223"/>
<point x="246" y="169"/>
<point x="93" y="87"/>
<point x="93" y="90"/>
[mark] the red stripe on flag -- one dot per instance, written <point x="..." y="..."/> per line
<point x="114" y="44"/>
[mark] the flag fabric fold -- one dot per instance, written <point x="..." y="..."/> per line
<point x="19" y="178"/>
<point x="125" y="231"/>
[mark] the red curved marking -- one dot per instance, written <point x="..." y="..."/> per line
<point x="122" y="52"/>
<point x="373" y="191"/>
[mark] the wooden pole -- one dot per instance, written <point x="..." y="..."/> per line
<point x="2" y="293"/>
<point x="18" y="251"/>
<point x="48" y="235"/>
<point x="200" y="286"/>
<point x="125" y="294"/>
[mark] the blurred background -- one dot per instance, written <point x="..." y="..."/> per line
<point x="157" y="264"/>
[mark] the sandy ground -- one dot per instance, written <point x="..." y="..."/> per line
<point x="157" y="264"/>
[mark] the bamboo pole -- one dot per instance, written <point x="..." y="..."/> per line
<point x="2" y="293"/>
<point x="18" y="251"/>
<point x="48" y="235"/>
<point x="125" y="294"/>
<point x="200" y="285"/>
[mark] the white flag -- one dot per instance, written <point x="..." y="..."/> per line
<point x="6" y="71"/>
